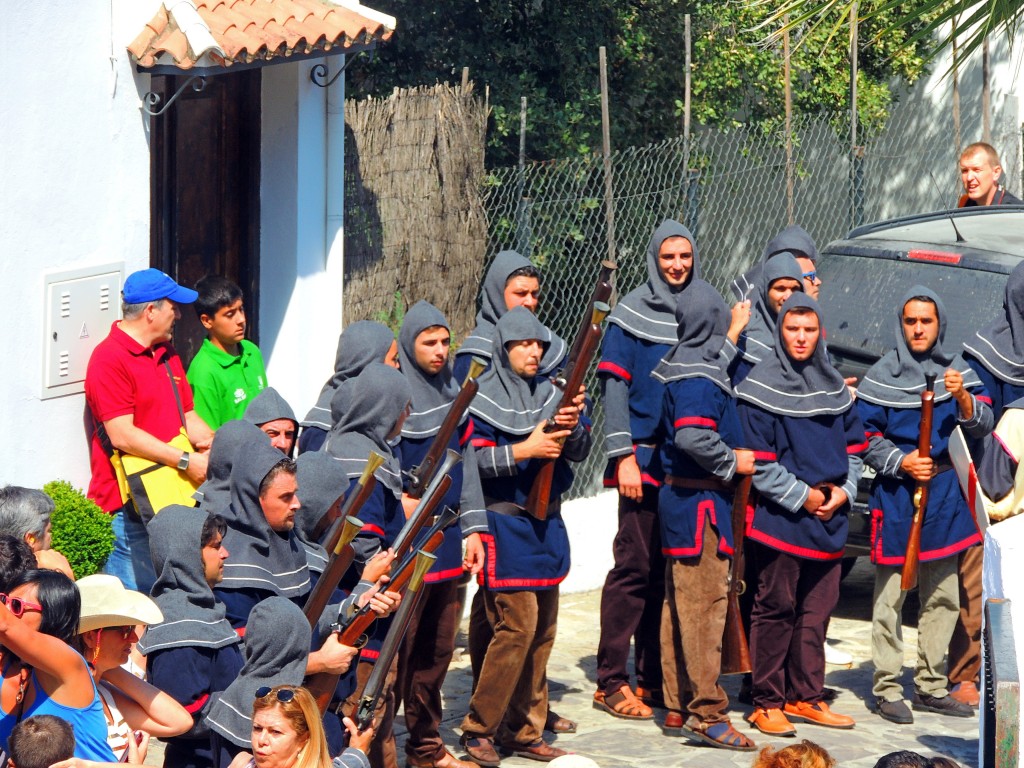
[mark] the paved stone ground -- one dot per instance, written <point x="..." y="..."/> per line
<point x="616" y="743"/>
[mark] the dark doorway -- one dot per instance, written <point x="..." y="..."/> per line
<point x="205" y="176"/>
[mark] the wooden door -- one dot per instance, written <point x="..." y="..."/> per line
<point x="205" y="173"/>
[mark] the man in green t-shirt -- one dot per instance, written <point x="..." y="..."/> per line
<point x="227" y="372"/>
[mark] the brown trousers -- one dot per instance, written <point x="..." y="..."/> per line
<point x="964" y="662"/>
<point x="383" y="753"/>
<point x="692" y="623"/>
<point x="422" y="666"/>
<point x="511" y="688"/>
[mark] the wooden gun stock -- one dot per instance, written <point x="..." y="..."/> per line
<point x="602" y="294"/>
<point x="352" y="633"/>
<point x="924" y="448"/>
<point x="341" y="559"/>
<point x="424" y="512"/>
<point x="421" y="475"/>
<point x="735" y="650"/>
<point x="540" y="492"/>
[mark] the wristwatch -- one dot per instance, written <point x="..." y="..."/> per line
<point x="183" y="461"/>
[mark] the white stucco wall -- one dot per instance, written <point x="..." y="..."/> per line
<point x="301" y="270"/>
<point x="75" y="193"/>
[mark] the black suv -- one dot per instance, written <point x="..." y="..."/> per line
<point x="963" y="255"/>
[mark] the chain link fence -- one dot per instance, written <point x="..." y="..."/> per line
<point x="731" y="188"/>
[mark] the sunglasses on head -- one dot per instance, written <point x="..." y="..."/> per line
<point x="284" y="695"/>
<point x="18" y="606"/>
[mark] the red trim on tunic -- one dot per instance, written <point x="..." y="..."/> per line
<point x="493" y="582"/>
<point x="450" y="573"/>
<point x="858" y="448"/>
<point x="479" y="442"/>
<point x="983" y="399"/>
<point x="198" y="704"/>
<point x="793" y="549"/>
<point x="695" y="421"/>
<point x="1005" y="447"/>
<point x="467" y="434"/>
<point x="869" y="435"/>
<point x="706" y="507"/>
<point x="374" y="529"/>
<point x="367" y="655"/>
<point x="878" y="558"/>
<point x="615" y="370"/>
<point x="765" y="456"/>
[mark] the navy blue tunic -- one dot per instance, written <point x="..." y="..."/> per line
<point x="631" y="360"/>
<point x="449" y="554"/>
<point x="815" y="450"/>
<point x="695" y="403"/>
<point x="1002" y="392"/>
<point x="522" y="553"/>
<point x="948" y="527"/>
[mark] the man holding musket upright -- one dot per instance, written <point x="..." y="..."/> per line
<point x="527" y="554"/>
<point x="890" y="404"/>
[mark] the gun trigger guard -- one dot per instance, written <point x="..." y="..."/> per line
<point x="741" y="586"/>
<point x="362" y="641"/>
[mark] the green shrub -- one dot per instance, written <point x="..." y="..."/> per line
<point x="82" y="532"/>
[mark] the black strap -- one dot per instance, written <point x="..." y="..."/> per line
<point x="177" y="395"/>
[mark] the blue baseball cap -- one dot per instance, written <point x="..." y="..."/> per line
<point x="152" y="285"/>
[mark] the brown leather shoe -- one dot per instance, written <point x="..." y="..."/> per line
<point x="538" y="750"/>
<point x="817" y="713"/>
<point x="771" y="721"/>
<point x="673" y="721"/>
<point x="481" y="751"/>
<point x="448" y="761"/>
<point x="966" y="693"/>
<point x="558" y="724"/>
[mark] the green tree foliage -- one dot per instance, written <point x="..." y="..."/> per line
<point x="82" y="531"/>
<point x="548" y="52"/>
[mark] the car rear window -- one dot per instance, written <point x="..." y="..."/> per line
<point x="859" y="297"/>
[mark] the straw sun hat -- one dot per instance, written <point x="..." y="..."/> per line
<point x="106" y="603"/>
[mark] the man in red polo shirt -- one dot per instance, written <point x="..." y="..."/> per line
<point x="138" y="397"/>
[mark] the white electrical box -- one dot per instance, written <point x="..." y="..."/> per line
<point x="79" y="305"/>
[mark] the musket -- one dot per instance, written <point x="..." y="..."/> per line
<point x="340" y="560"/>
<point x="924" y="448"/>
<point x="421" y="475"/>
<point x="352" y="631"/>
<point x="374" y="688"/>
<point x="575" y="371"/>
<point x="735" y="650"/>
<point x="433" y="495"/>
<point x="603" y="294"/>
<point x="355" y="499"/>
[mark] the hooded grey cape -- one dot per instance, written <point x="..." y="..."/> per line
<point x="361" y="343"/>
<point x="703" y="319"/>
<point x="268" y="405"/>
<point x="321" y="481"/>
<point x="215" y="494"/>
<point x="506" y="400"/>
<point x="277" y="642"/>
<point x="783" y="386"/>
<point x="492" y="308"/>
<point x="649" y="312"/>
<point x="1000" y="347"/>
<point x="432" y="396"/>
<point x="897" y="380"/>
<point x="192" y="614"/>
<point x="794" y="239"/>
<point x="261" y="558"/>
<point x="376" y="397"/>
<point x="759" y="336"/>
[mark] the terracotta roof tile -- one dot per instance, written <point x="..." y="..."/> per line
<point x="241" y="31"/>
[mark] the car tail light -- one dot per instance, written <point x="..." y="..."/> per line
<point x="939" y="256"/>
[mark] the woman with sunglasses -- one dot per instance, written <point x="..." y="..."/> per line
<point x="287" y="733"/>
<point x="134" y="709"/>
<point x="42" y="673"/>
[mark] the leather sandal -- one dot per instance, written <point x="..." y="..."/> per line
<point x="720" y="735"/>
<point x="555" y="723"/>
<point x="624" y="704"/>
<point x="448" y="760"/>
<point x="539" y="750"/>
<point x="652" y="697"/>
